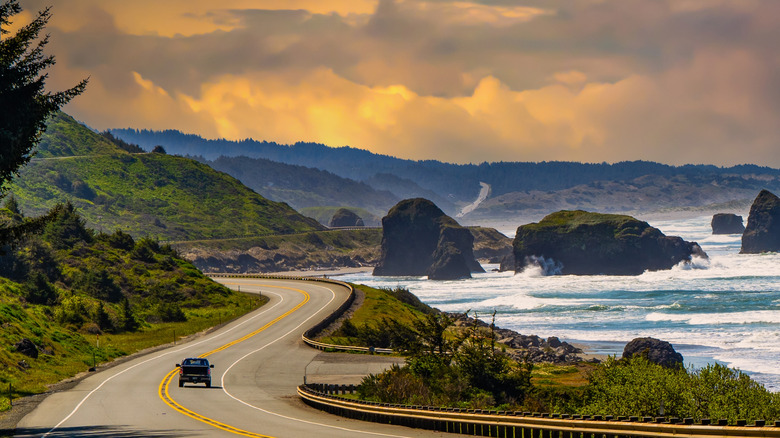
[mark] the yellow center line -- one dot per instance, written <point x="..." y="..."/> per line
<point x="165" y="383"/>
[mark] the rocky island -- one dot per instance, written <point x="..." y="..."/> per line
<point x="727" y="223"/>
<point x="583" y="243"/>
<point x="419" y="239"/>
<point x="762" y="233"/>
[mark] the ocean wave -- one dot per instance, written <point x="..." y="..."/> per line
<point x="741" y="318"/>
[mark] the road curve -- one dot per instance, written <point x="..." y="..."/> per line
<point x="259" y="361"/>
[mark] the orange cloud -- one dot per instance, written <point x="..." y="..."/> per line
<point x="193" y="17"/>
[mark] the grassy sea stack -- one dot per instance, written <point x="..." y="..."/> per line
<point x="583" y="243"/>
<point x="419" y="239"/>
<point x="762" y="233"/>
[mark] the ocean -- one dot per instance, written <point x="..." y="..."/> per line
<point x="725" y="309"/>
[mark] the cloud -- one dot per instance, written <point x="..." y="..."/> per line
<point x="675" y="81"/>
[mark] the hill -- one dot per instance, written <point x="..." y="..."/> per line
<point x="62" y="289"/>
<point x="650" y="193"/>
<point x="151" y="194"/>
<point x="521" y="182"/>
<point x="303" y="187"/>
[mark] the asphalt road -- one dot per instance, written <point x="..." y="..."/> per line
<point x="259" y="361"/>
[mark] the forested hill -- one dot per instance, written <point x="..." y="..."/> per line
<point x="451" y="181"/>
<point x="146" y="194"/>
<point x="303" y="187"/>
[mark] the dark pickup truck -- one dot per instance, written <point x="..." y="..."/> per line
<point x="195" y="370"/>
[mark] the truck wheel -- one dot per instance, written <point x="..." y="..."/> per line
<point x="181" y="383"/>
<point x="208" y="384"/>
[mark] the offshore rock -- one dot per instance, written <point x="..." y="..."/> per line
<point x="762" y="233"/>
<point x="584" y="243"/>
<point x="345" y="218"/>
<point x="419" y="239"/>
<point x="727" y="223"/>
<point x="657" y="351"/>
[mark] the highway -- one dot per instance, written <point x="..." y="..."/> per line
<point x="259" y="361"/>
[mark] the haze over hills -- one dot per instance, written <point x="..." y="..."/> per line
<point x="152" y="194"/>
<point x="303" y="187"/>
<point x="517" y="188"/>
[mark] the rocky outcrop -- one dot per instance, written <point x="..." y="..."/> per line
<point x="762" y="233"/>
<point x="657" y="351"/>
<point x="490" y="245"/>
<point x="527" y="348"/>
<point x="727" y="223"/>
<point x="27" y="348"/>
<point x="419" y="239"/>
<point x="583" y="243"/>
<point x="345" y="218"/>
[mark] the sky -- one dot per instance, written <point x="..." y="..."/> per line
<point x="673" y="81"/>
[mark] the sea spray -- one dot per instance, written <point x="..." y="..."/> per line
<point x="725" y="310"/>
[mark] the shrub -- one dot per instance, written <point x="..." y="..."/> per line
<point x="37" y="290"/>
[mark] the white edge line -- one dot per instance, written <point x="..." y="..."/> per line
<point x="224" y="389"/>
<point x="78" y="406"/>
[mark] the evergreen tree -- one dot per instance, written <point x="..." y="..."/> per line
<point x="67" y="228"/>
<point x="127" y="320"/>
<point x="24" y="103"/>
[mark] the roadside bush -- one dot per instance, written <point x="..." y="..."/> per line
<point x="170" y="312"/>
<point x="638" y="387"/>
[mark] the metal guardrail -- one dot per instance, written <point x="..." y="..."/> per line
<point x="505" y="424"/>
<point x="523" y="424"/>
<point x="309" y="334"/>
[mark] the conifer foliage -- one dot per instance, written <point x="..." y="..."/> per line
<point x="24" y="102"/>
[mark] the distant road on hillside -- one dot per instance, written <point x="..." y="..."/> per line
<point x="484" y="192"/>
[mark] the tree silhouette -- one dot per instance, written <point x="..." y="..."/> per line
<point x="24" y="103"/>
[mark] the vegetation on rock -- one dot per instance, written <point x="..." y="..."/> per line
<point x="584" y="243"/>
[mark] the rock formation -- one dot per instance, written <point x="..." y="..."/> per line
<point x="762" y="233"/>
<point x="727" y="223"/>
<point x="583" y="243"/>
<point x="419" y="239"/>
<point x="656" y="351"/>
<point x="27" y="348"/>
<point x="345" y="218"/>
<point x="527" y="348"/>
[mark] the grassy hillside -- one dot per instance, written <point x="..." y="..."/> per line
<point x="302" y="186"/>
<point x="69" y="287"/>
<point x="145" y="194"/>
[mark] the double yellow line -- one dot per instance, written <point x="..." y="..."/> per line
<point x="165" y="383"/>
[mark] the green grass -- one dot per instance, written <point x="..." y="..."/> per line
<point x="158" y="195"/>
<point x="74" y="352"/>
<point x="377" y="305"/>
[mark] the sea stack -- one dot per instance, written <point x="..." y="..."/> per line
<point x="727" y="223"/>
<point x="762" y="233"/>
<point x="345" y="218"/>
<point x="419" y="239"/>
<point x="584" y="243"/>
